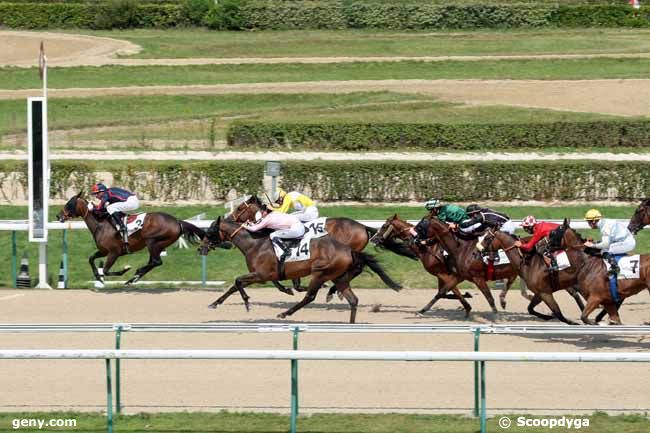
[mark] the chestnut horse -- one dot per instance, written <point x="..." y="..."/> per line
<point x="345" y="230"/>
<point x="593" y="279"/>
<point x="431" y="256"/>
<point x="158" y="231"/>
<point x="534" y="271"/>
<point x="468" y="261"/>
<point x="329" y="261"/>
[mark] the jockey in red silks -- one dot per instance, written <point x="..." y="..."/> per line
<point x="116" y="201"/>
<point x="539" y="230"/>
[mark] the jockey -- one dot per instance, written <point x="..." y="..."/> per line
<point x="616" y="238"/>
<point x="480" y="219"/>
<point x="304" y="208"/>
<point x="286" y="226"/>
<point x="116" y="201"/>
<point x="539" y="230"/>
<point x="449" y="213"/>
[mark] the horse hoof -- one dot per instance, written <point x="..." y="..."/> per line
<point x="503" y="305"/>
<point x="328" y="298"/>
<point x="213" y="306"/>
<point x="281" y="316"/>
<point x="127" y="268"/>
<point x="248" y="307"/>
<point x="99" y="285"/>
<point x="419" y="314"/>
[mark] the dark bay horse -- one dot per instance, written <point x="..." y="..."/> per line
<point x="593" y="279"/>
<point x="345" y="230"/>
<point x="641" y="217"/>
<point x="534" y="271"/>
<point x="158" y="231"/>
<point x="329" y="261"/>
<point x="431" y="256"/>
<point x="469" y="263"/>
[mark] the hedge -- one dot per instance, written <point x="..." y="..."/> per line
<point x="360" y="180"/>
<point x="333" y="14"/>
<point x="403" y="136"/>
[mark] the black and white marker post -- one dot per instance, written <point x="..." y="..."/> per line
<point x="39" y="172"/>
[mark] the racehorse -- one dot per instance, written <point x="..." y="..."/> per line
<point x="594" y="281"/>
<point x="469" y="263"/>
<point x="533" y="270"/>
<point x="159" y="230"/>
<point x="345" y="230"/>
<point x="641" y="217"/>
<point x="431" y="256"/>
<point x="329" y="261"/>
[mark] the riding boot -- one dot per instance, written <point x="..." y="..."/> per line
<point x="284" y="248"/>
<point x="613" y="264"/>
<point x="121" y="228"/>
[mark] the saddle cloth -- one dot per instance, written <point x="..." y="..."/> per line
<point x="316" y="227"/>
<point x="562" y="260"/>
<point x="630" y="267"/>
<point x="500" y="259"/>
<point x="134" y="222"/>
<point x="299" y="251"/>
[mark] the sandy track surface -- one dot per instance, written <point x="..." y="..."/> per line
<point x="80" y="50"/>
<point x="324" y="386"/>
<point x="335" y="156"/>
<point x="615" y="97"/>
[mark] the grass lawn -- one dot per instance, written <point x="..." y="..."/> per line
<point x="117" y="76"/>
<point x="318" y="423"/>
<point x="226" y="265"/>
<point x="207" y="118"/>
<point x="186" y="43"/>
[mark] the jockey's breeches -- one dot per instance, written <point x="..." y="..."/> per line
<point x="622" y="247"/>
<point x="295" y="231"/>
<point x="309" y="213"/>
<point x="509" y="227"/>
<point x="131" y="203"/>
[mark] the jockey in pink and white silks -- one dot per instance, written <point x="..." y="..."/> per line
<point x="286" y="226"/>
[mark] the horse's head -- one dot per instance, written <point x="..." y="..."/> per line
<point x="394" y="227"/>
<point x="641" y="217"/>
<point x="494" y="240"/>
<point x="75" y="207"/>
<point x="212" y="239"/>
<point x="246" y="210"/>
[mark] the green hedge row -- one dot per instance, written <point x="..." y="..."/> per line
<point x="359" y="180"/>
<point x="403" y="136"/>
<point x="332" y="14"/>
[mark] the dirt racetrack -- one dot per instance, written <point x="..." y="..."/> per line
<point x="324" y="386"/>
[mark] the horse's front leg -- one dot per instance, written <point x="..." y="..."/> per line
<point x="240" y="283"/>
<point x="91" y="260"/>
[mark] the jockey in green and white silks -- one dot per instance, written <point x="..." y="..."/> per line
<point x="616" y="239"/>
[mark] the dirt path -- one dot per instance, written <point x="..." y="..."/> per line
<point x="81" y="50"/>
<point x="324" y="386"/>
<point x="333" y="156"/>
<point x="615" y="97"/>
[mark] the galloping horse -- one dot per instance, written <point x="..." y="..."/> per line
<point x="329" y="261"/>
<point x="431" y="256"/>
<point x="469" y="264"/>
<point x="593" y="279"/>
<point x="345" y="230"/>
<point x="158" y="231"/>
<point x="533" y="270"/>
<point x="641" y="217"/>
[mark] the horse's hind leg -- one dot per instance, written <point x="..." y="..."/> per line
<point x="442" y="289"/>
<point x="281" y="288"/>
<point x="110" y="260"/>
<point x="312" y="290"/>
<point x="483" y="287"/>
<point x="154" y="261"/>
<point x="352" y="300"/>
<point x="504" y="292"/>
<point x="601" y="315"/>
<point x="549" y="300"/>
<point x="535" y="301"/>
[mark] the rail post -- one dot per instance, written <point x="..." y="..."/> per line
<point x="14" y="259"/>
<point x="65" y="258"/>
<point x="204" y="270"/>
<point x="109" y="398"/>
<point x="294" y="384"/>
<point x="477" y="335"/>
<point x="118" y="393"/>
<point x="483" y="408"/>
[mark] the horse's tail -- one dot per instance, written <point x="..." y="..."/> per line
<point x="398" y="248"/>
<point x="364" y="259"/>
<point x="191" y="233"/>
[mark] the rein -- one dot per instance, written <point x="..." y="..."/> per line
<point x="232" y="236"/>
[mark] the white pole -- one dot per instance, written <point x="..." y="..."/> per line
<point x="42" y="266"/>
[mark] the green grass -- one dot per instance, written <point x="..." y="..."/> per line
<point x="226" y="265"/>
<point x="117" y="76"/>
<point x="138" y="120"/>
<point x="317" y="423"/>
<point x="187" y="43"/>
